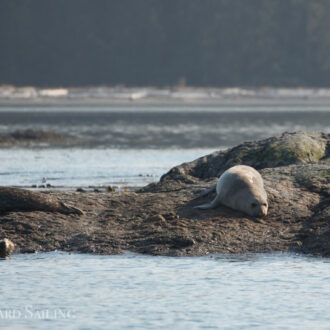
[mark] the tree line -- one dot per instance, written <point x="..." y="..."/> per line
<point x="165" y="42"/>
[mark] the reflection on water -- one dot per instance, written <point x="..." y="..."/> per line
<point x="269" y="291"/>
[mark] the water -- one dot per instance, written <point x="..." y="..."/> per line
<point x="159" y="127"/>
<point x="266" y="291"/>
<point x="135" y="145"/>
<point x="70" y="168"/>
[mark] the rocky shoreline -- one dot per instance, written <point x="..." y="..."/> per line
<point x="159" y="219"/>
<point x="30" y="138"/>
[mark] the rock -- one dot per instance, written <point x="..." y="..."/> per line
<point x="30" y="137"/>
<point x="30" y="134"/>
<point x="6" y="248"/>
<point x="109" y="189"/>
<point x="156" y="218"/>
<point x="286" y="149"/>
<point x="160" y="219"/>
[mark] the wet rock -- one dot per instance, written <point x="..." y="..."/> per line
<point x="109" y="189"/>
<point x="30" y="134"/>
<point x="30" y="138"/>
<point x="6" y="248"/>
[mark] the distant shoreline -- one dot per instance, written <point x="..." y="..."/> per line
<point x="180" y="96"/>
<point x="111" y="102"/>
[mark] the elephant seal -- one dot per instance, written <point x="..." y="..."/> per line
<point x="6" y="248"/>
<point x="16" y="199"/>
<point x="241" y="188"/>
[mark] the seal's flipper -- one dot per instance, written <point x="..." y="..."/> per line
<point x="204" y="206"/>
<point x="208" y="190"/>
<point x="213" y="204"/>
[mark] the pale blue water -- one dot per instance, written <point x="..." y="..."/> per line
<point x="69" y="168"/>
<point x="72" y="291"/>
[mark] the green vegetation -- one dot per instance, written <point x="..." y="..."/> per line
<point x="165" y="42"/>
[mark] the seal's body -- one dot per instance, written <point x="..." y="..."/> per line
<point x="16" y="200"/>
<point x="241" y="188"/>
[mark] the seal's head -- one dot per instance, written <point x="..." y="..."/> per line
<point x="258" y="207"/>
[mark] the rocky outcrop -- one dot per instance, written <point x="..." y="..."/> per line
<point x="286" y="149"/>
<point x="160" y="218"/>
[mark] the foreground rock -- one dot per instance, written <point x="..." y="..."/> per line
<point x="160" y="218"/>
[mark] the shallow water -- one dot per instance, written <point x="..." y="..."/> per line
<point x="135" y="145"/>
<point x="159" y="127"/>
<point x="69" y="168"/>
<point x="266" y="291"/>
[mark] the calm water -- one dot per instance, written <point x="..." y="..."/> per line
<point x="65" y="168"/>
<point x="265" y="291"/>
<point x="160" y="127"/>
<point x="135" y="145"/>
